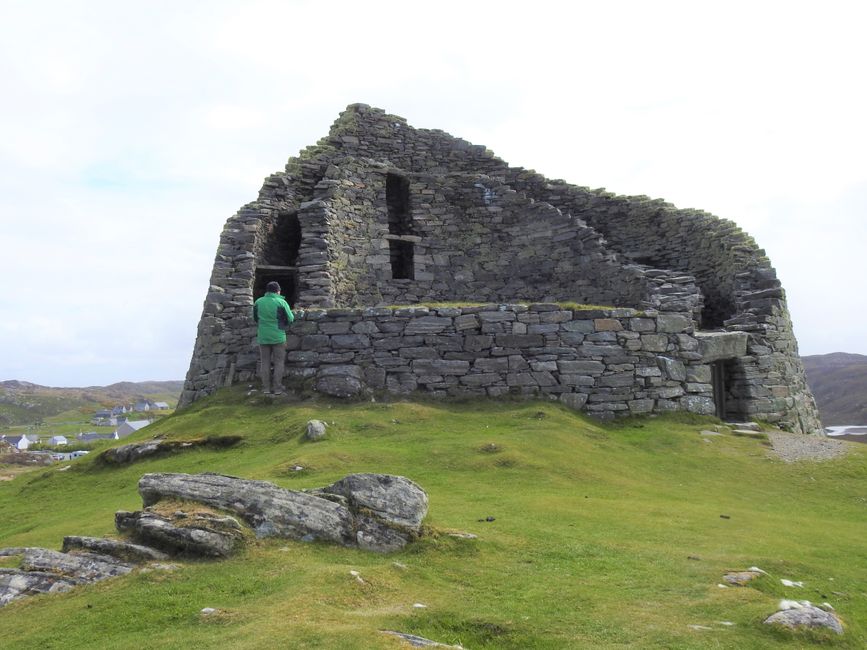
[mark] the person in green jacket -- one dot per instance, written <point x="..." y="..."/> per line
<point x="273" y="316"/>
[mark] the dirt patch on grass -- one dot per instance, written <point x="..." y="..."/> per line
<point x="793" y="447"/>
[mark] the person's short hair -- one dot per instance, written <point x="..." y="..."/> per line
<point x="273" y="287"/>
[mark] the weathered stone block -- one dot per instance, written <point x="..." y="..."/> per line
<point x="577" y="380"/>
<point x="701" y="373"/>
<point x="574" y="400"/>
<point x="428" y="325"/>
<point x="350" y="341"/>
<point x="672" y="368"/>
<point x="500" y="365"/>
<point x="607" y="325"/>
<point x="583" y="325"/>
<point x="478" y="342"/>
<point x="581" y="367"/>
<point x="481" y="379"/>
<point x="519" y="340"/>
<point x="642" y="324"/>
<point x="618" y="380"/>
<point x="698" y="404"/>
<point x="714" y="346"/>
<point x="419" y="353"/>
<point x="673" y="323"/>
<point x="440" y="367"/>
<point x="654" y="342"/>
<point x="521" y="379"/>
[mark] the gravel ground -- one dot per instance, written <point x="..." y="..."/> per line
<point x="793" y="447"/>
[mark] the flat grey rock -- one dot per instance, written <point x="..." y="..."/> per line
<point x="125" y="551"/>
<point x="199" y="536"/>
<point x="16" y="584"/>
<point x="81" y="567"/>
<point x="419" y="641"/>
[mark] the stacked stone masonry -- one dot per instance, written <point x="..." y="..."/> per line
<point x="475" y="230"/>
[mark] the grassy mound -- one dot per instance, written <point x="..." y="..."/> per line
<point x="600" y="535"/>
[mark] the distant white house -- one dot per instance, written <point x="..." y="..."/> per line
<point x="21" y="443"/>
<point x="57" y="441"/>
<point x="130" y="427"/>
<point x="162" y="406"/>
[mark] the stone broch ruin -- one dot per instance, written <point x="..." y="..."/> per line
<point x="425" y="264"/>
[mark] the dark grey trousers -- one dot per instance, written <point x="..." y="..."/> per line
<point x="269" y="355"/>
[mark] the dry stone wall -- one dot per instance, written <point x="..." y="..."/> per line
<point x="604" y="361"/>
<point x="480" y="230"/>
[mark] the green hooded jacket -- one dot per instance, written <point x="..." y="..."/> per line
<point x="272" y="315"/>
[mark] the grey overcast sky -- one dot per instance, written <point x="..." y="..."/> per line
<point x="132" y="130"/>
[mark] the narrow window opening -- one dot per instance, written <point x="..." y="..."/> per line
<point x="284" y="241"/>
<point x="286" y="278"/>
<point x="280" y="258"/>
<point x="397" y="200"/>
<point x="399" y="223"/>
<point x="717" y="310"/>
<point x="402" y="266"/>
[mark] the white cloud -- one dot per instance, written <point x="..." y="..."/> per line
<point x="133" y="131"/>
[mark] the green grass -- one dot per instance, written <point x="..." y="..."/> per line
<point x="605" y="536"/>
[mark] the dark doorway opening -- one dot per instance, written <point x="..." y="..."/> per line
<point x="730" y="390"/>
<point x="285" y="277"/>
<point x="401" y="252"/>
<point x="402" y="262"/>
<point x="718" y="381"/>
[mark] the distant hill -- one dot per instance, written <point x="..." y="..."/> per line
<point x="839" y="383"/>
<point x="22" y="402"/>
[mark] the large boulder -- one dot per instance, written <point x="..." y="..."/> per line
<point x="806" y="617"/>
<point x="393" y="499"/>
<point x="373" y="511"/>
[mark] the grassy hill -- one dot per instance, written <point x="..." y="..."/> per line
<point x="606" y="536"/>
<point x="839" y="384"/>
<point x="23" y="403"/>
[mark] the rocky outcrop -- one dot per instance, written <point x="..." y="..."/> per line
<point x="199" y="535"/>
<point x="15" y="584"/>
<point x="80" y="567"/>
<point x="372" y="511"/>
<point x="133" y="452"/>
<point x="375" y="512"/>
<point x="43" y="571"/>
